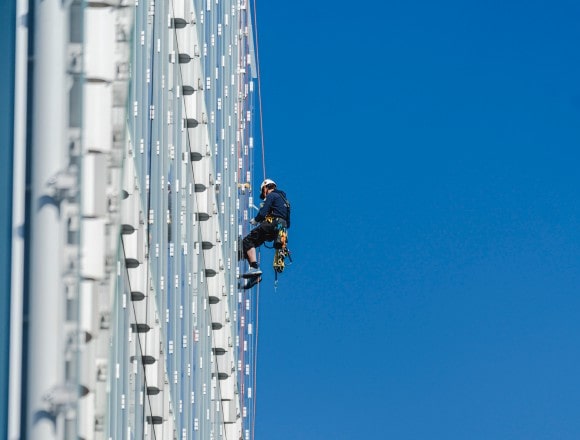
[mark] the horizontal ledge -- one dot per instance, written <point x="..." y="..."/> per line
<point x="177" y="23"/>
<point x="187" y="90"/>
<point x="137" y="296"/>
<point x="195" y="156"/>
<point x="83" y="391"/>
<point x="184" y="58"/>
<point x="146" y="360"/>
<point x="140" y="328"/>
<point x="222" y="376"/>
<point x="127" y="229"/>
<point x="131" y="263"/>
<point x="153" y="391"/>
<point x="190" y="123"/>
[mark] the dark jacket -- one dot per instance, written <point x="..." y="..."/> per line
<point x="275" y="205"/>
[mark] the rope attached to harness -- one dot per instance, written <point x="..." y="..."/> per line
<point x="282" y="252"/>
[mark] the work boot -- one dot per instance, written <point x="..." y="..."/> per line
<point x="250" y="283"/>
<point x="253" y="272"/>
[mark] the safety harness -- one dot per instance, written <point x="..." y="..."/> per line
<point x="280" y="242"/>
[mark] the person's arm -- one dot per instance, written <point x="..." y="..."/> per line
<point x="265" y="209"/>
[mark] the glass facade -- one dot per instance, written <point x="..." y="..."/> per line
<point x="149" y="334"/>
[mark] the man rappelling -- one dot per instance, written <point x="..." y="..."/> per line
<point x="273" y="216"/>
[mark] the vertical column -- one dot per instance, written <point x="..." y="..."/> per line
<point x="10" y="206"/>
<point x="48" y="394"/>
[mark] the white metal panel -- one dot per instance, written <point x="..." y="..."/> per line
<point x="233" y="431"/>
<point x="93" y="186"/>
<point x="130" y="211"/>
<point x="129" y="183"/>
<point x="89" y="331"/>
<point x="87" y="308"/>
<point x="100" y="43"/>
<point x="138" y="279"/>
<point x="86" y="426"/>
<point x="179" y="9"/>
<point x="228" y="387"/>
<point x="220" y="339"/>
<point x="131" y="246"/>
<point x="230" y="413"/>
<point x="97" y="117"/>
<point x="93" y="248"/>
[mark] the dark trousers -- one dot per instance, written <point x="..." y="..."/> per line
<point x="265" y="231"/>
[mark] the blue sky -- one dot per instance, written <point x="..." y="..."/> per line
<point x="430" y="151"/>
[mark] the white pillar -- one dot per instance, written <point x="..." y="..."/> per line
<point x="49" y="158"/>
<point x="18" y="219"/>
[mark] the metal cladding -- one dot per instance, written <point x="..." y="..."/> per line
<point x="141" y="187"/>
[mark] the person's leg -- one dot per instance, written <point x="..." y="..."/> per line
<point x="254" y="270"/>
<point x="265" y="231"/>
<point x="254" y="239"/>
<point x="251" y="256"/>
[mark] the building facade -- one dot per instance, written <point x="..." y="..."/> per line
<point x="132" y="187"/>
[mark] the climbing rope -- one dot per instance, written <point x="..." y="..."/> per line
<point x="257" y="44"/>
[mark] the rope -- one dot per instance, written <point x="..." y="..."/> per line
<point x="263" y="151"/>
<point x="149" y="163"/>
<point x="188" y="141"/>
<point x="254" y="358"/>
<point x="254" y="381"/>
<point x="257" y="44"/>
<point x="143" y="346"/>
<point x="202" y="256"/>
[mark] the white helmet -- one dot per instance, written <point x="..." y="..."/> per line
<point x="266" y="183"/>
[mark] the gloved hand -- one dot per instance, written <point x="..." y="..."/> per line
<point x="253" y="222"/>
